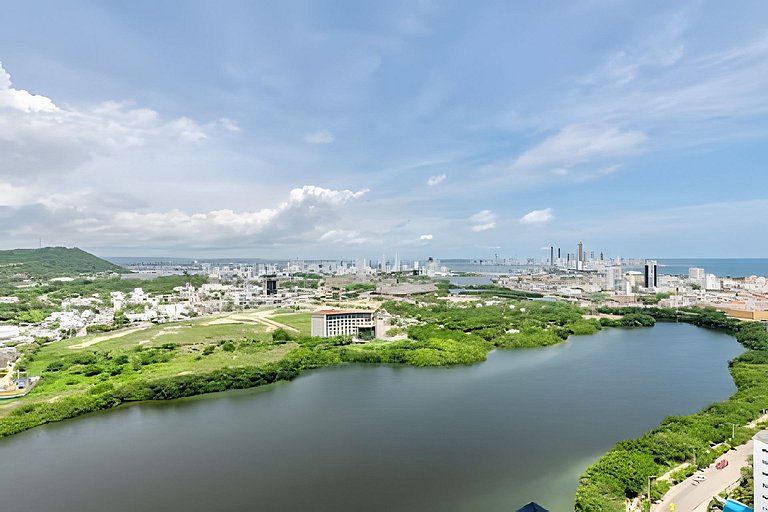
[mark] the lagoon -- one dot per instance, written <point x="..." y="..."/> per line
<point x="521" y="426"/>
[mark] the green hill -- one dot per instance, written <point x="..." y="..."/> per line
<point x="50" y="262"/>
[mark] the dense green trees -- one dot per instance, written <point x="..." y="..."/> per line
<point x="607" y="483"/>
<point x="629" y="320"/>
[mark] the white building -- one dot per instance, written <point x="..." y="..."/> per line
<point x="633" y="280"/>
<point x="760" y="465"/>
<point x="358" y="324"/>
<point x="711" y="282"/>
<point x="611" y="274"/>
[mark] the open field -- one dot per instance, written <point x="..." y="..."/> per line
<point x="299" y="321"/>
<point x="81" y="364"/>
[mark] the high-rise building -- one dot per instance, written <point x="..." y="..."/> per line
<point x="612" y="273"/>
<point x="431" y="266"/>
<point x="580" y="252"/>
<point x="270" y="284"/>
<point x="651" y="274"/>
<point x="760" y="468"/>
<point x="552" y="255"/>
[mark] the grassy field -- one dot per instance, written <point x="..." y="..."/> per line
<point x="300" y="321"/>
<point x="80" y="365"/>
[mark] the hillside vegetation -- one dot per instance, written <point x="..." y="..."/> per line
<point x="50" y="262"/>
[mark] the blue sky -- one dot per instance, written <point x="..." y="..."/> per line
<point x="344" y="129"/>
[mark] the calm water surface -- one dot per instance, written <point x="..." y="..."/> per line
<point x="491" y="437"/>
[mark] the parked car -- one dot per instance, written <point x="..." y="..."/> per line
<point x="699" y="478"/>
<point x="721" y="463"/>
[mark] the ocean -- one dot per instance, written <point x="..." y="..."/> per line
<point x="721" y="267"/>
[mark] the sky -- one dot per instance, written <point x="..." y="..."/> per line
<point x="336" y="129"/>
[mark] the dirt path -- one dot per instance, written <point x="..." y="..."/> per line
<point x="99" y="339"/>
<point x="263" y="317"/>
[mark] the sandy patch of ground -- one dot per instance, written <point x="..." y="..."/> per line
<point x="99" y="339"/>
<point x="222" y="321"/>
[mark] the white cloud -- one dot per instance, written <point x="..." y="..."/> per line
<point x="39" y="137"/>
<point x="436" y="179"/>
<point x="300" y="213"/>
<point x="425" y="237"/>
<point x="344" y="237"/>
<point x="19" y="99"/>
<point x="538" y="216"/>
<point x="319" y="137"/>
<point x="483" y="220"/>
<point x="577" y="144"/>
<point x="306" y="210"/>
<point x="14" y="196"/>
<point x="313" y="194"/>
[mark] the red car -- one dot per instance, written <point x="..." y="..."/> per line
<point x="721" y="464"/>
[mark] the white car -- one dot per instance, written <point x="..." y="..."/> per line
<point x="699" y="478"/>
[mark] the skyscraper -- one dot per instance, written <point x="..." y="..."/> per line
<point x="580" y="252"/>
<point x="651" y="274"/>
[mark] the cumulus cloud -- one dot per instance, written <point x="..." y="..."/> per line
<point x="38" y="137"/>
<point x="300" y="213"/>
<point x="538" y="216"/>
<point x="319" y="137"/>
<point x="425" y="237"/>
<point x="577" y="144"/>
<point x="483" y="220"/>
<point x="19" y="99"/>
<point x="436" y="179"/>
<point x="306" y="210"/>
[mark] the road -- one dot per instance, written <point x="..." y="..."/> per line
<point x="688" y="497"/>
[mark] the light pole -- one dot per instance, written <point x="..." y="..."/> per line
<point x="733" y="430"/>
<point x="650" y="499"/>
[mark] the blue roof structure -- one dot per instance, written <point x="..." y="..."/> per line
<point x="735" y="506"/>
<point x="532" y="507"/>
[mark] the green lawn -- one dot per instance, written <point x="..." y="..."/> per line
<point x="300" y="321"/>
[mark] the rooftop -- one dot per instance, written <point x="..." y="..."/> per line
<point x="340" y="311"/>
<point x="761" y="436"/>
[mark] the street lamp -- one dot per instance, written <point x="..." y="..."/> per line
<point x="733" y="430"/>
<point x="650" y="499"/>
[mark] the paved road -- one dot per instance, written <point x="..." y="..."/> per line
<point x="688" y="497"/>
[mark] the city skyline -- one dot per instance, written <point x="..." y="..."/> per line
<point x="320" y="130"/>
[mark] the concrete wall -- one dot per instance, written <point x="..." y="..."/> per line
<point x="745" y="314"/>
<point x="318" y="325"/>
